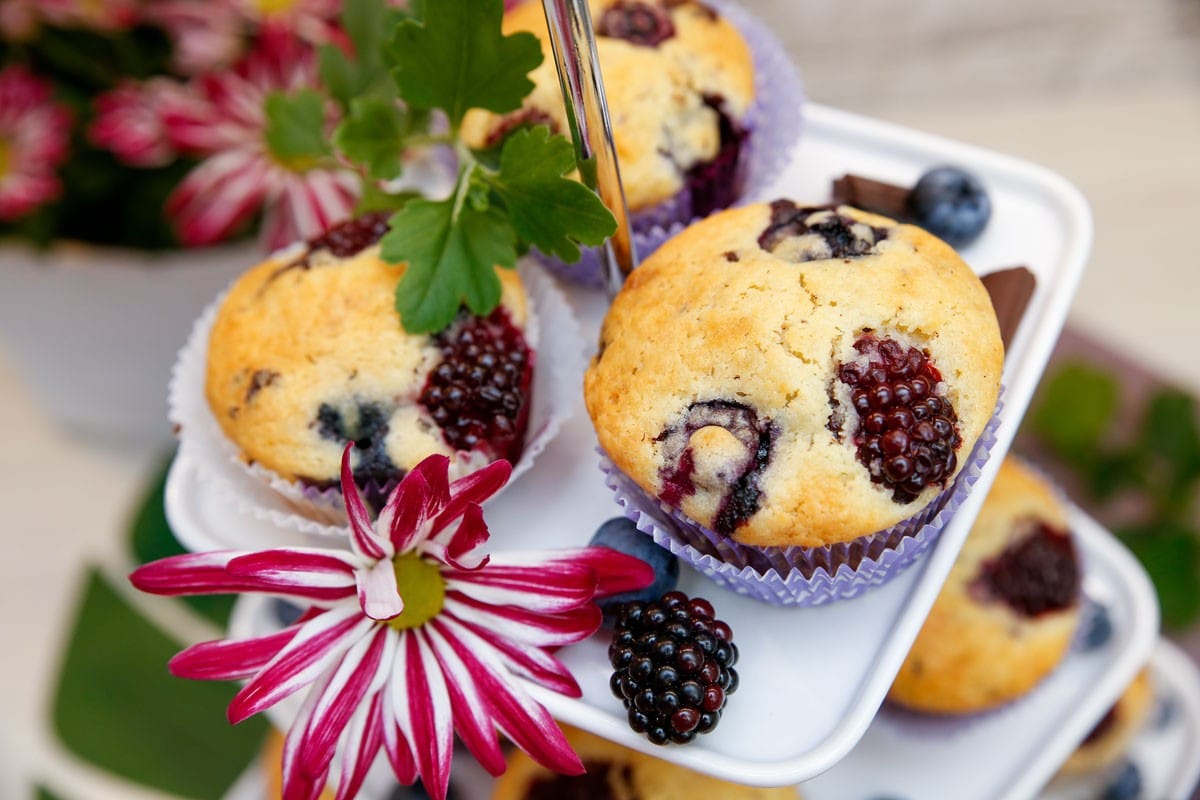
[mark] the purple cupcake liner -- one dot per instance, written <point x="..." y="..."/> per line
<point x="772" y="125"/>
<point x="800" y="576"/>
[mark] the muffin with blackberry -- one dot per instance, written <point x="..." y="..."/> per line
<point x="618" y="773"/>
<point x="689" y="86"/>
<point x="306" y="353"/>
<point x="1110" y="738"/>
<point x="1006" y="614"/>
<point x="796" y="376"/>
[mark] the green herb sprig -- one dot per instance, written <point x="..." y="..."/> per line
<point x="412" y="80"/>
<point x="1155" y="462"/>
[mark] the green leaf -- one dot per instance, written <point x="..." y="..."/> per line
<point x="117" y="706"/>
<point x="1075" y="406"/>
<point x="1109" y="473"/>
<point x="339" y="74"/>
<point x="151" y="538"/>
<point x="549" y="211"/>
<point x="373" y="135"/>
<point x="1170" y="441"/>
<point x="451" y="251"/>
<point x="458" y="58"/>
<point x="296" y="128"/>
<point x="376" y="199"/>
<point x="368" y="24"/>
<point x="1171" y="555"/>
<point x="45" y="794"/>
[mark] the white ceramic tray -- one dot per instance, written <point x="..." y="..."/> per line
<point x="1012" y="752"/>
<point x="811" y="678"/>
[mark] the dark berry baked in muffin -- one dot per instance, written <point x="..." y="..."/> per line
<point x="679" y="80"/>
<point x="789" y="375"/>
<point x="307" y="354"/>
<point x="1008" y="610"/>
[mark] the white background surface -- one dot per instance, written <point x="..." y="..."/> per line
<point x="1106" y="92"/>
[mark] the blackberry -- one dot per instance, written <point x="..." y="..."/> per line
<point x="673" y="667"/>
<point x="1037" y="574"/>
<point x="352" y="236"/>
<point x="907" y="435"/>
<point x="813" y="233"/>
<point x="479" y="393"/>
<point x="642" y="24"/>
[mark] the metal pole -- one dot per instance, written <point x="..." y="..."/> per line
<point x="574" y="45"/>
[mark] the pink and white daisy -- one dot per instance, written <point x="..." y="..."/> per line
<point x="100" y="15"/>
<point x="240" y="175"/>
<point x="411" y="636"/>
<point x="311" y="20"/>
<point x="34" y="137"/>
<point x="206" y="35"/>
<point x="129" y="121"/>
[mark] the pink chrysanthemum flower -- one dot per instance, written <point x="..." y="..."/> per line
<point x="206" y="35"/>
<point x="312" y="20"/>
<point x="241" y="175"/>
<point x="101" y="15"/>
<point x="412" y="635"/>
<point x="34" y="133"/>
<point x="129" y="121"/>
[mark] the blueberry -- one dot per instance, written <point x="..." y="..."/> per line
<point x="1127" y="785"/>
<point x="1166" y="714"/>
<point x="950" y="203"/>
<point x="1097" y="629"/>
<point x="285" y="612"/>
<point x="623" y="536"/>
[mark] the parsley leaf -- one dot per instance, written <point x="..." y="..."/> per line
<point x="458" y="58"/>
<point x="1076" y="405"/>
<point x="374" y="136"/>
<point x="450" y="247"/>
<point x="366" y="23"/>
<point x="549" y="211"/>
<point x="1170" y="552"/>
<point x="295" y="130"/>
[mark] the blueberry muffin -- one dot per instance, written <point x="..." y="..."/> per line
<point x="617" y="773"/>
<point x="307" y="353"/>
<point x="1110" y="738"/>
<point x="679" y="80"/>
<point x="788" y="375"/>
<point x="1006" y="614"/>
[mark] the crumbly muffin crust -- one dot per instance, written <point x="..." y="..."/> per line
<point x="660" y="97"/>
<point x="307" y="352"/>
<point x="718" y="385"/>
<point x="1115" y="731"/>
<point x="975" y="650"/>
<point x="617" y="773"/>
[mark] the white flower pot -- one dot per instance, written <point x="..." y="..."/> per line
<point x="94" y="331"/>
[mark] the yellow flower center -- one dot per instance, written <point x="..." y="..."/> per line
<point x="423" y="588"/>
<point x="5" y="157"/>
<point x="270" y="7"/>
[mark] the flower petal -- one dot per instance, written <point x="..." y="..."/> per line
<point x="363" y="540"/>
<point x="521" y="718"/>
<point x="475" y="487"/>
<point x="471" y="718"/>
<point x="543" y="587"/>
<point x="303" y="780"/>
<point x="411" y="505"/>
<point x="362" y="742"/>
<point x="395" y="743"/>
<point x="351" y="681"/>
<point x="319" y="643"/>
<point x="424" y="713"/>
<point x="459" y="545"/>
<point x="524" y="626"/>
<point x="310" y="570"/>
<point x="229" y="660"/>
<point x="378" y="594"/>
<point x="616" y="572"/>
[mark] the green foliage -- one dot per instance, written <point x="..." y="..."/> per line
<point x="373" y="135"/>
<point x="118" y="708"/>
<point x="1158" y="461"/>
<point x="451" y="247"/>
<point x="548" y="211"/>
<point x="456" y="58"/>
<point x="296" y="128"/>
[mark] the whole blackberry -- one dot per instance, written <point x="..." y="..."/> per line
<point x="479" y="393"/>
<point x="907" y="435"/>
<point x="1036" y="574"/>
<point x="352" y="236"/>
<point x="673" y="667"/>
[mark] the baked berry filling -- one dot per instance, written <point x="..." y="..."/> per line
<point x="594" y="784"/>
<point x="478" y="394"/>
<point x="813" y="233"/>
<point x="907" y="435"/>
<point x="734" y="446"/>
<point x="716" y="184"/>
<point x="1037" y="574"/>
<point x="353" y="236"/>
<point x="1101" y="728"/>
<point x="525" y="118"/>
<point x="365" y="424"/>
<point x="642" y="24"/>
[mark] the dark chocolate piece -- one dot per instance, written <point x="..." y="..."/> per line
<point x="1011" y="290"/>
<point x="872" y="195"/>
